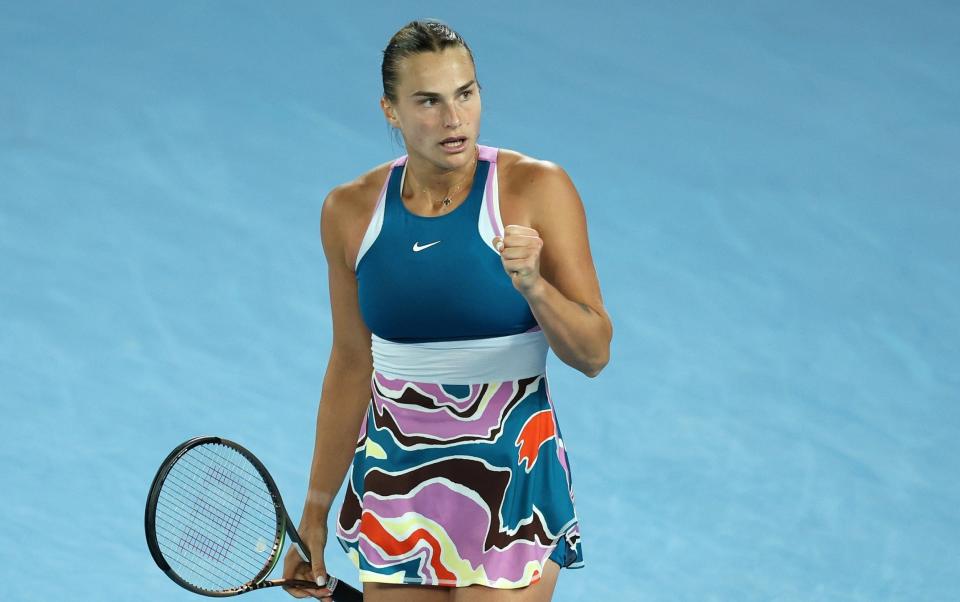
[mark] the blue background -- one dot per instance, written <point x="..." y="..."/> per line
<point x="771" y="189"/>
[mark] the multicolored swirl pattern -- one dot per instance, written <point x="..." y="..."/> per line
<point x="459" y="485"/>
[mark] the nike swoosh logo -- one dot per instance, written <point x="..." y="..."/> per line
<point x="417" y="248"/>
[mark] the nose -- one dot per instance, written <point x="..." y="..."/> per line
<point x="451" y="118"/>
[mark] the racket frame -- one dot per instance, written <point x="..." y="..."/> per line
<point x="284" y="526"/>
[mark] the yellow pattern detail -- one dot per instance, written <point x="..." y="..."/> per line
<point x="375" y="451"/>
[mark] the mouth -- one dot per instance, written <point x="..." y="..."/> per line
<point x="454" y="143"/>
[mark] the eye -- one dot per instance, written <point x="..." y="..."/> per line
<point x="428" y="102"/>
<point x="466" y="94"/>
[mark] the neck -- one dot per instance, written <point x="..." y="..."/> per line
<point x="424" y="177"/>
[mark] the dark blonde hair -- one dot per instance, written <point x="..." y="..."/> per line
<point x="415" y="37"/>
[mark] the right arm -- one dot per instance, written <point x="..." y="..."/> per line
<point x="346" y="388"/>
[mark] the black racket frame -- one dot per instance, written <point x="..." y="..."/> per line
<point x="342" y="591"/>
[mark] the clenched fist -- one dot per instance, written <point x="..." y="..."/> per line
<point x="520" y="253"/>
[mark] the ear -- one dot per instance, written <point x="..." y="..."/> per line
<point x="389" y="112"/>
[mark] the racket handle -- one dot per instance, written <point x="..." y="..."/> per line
<point x="343" y="592"/>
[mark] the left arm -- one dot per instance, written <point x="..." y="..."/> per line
<point x="550" y="264"/>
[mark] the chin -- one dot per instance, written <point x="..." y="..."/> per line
<point x="439" y="157"/>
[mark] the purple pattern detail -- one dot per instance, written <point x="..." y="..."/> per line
<point x="415" y="420"/>
<point x="466" y="523"/>
<point x="437" y="392"/>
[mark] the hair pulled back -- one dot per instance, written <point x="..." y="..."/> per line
<point x="426" y="35"/>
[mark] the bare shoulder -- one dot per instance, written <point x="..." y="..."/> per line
<point x="347" y="210"/>
<point x="532" y="189"/>
<point x="357" y="195"/>
<point x="520" y="169"/>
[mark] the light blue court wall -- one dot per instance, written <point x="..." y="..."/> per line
<point x="772" y="197"/>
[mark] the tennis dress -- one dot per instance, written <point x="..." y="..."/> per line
<point x="460" y="475"/>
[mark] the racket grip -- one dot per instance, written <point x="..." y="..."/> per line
<point x="343" y="592"/>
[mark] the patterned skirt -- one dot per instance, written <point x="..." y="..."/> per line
<point x="459" y="484"/>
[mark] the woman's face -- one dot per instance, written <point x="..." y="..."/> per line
<point x="438" y="100"/>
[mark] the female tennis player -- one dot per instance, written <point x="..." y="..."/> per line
<point x="452" y="270"/>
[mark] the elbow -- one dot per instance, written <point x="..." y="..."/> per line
<point x="592" y="358"/>
<point x="593" y="371"/>
<point x="596" y="365"/>
<point x="599" y="360"/>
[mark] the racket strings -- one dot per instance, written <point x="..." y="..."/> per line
<point x="189" y="537"/>
<point x="226" y="511"/>
<point x="210" y="521"/>
<point x="199" y="539"/>
<point x="213" y="577"/>
<point x="264" y="519"/>
<point x="217" y="525"/>
<point x="256" y="523"/>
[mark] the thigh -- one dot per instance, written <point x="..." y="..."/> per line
<point x="390" y="592"/>
<point x="541" y="591"/>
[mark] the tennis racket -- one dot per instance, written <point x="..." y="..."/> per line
<point x="215" y="522"/>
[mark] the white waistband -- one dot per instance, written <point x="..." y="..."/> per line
<point x="464" y="362"/>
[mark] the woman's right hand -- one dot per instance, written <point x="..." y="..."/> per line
<point x="314" y="535"/>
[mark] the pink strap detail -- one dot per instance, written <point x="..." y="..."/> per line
<point x="386" y="182"/>
<point x="488" y="193"/>
<point x="487" y="153"/>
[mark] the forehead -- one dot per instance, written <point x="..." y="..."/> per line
<point x="436" y="71"/>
